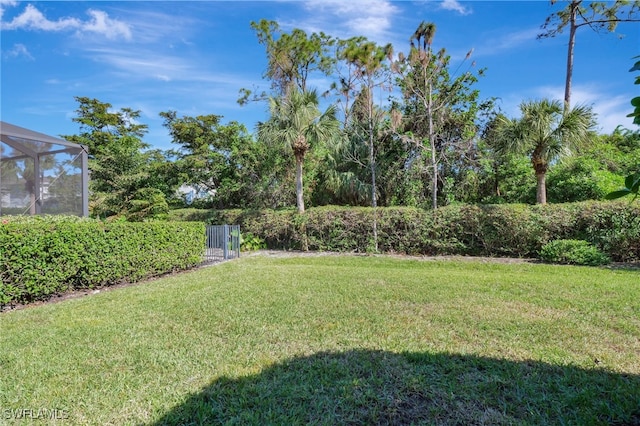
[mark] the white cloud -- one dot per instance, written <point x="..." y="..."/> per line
<point x="152" y="26"/>
<point x="4" y="4"/>
<point x="19" y="50"/>
<point x="32" y="19"/>
<point x="102" y="24"/>
<point x="372" y="19"/>
<point x="142" y="63"/>
<point x="508" y="41"/>
<point x="516" y="39"/>
<point x="612" y="112"/>
<point x="455" y="6"/>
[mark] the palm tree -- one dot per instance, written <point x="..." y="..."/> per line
<point x="296" y="122"/>
<point x="545" y="132"/>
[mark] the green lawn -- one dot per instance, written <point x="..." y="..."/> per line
<point x="334" y="340"/>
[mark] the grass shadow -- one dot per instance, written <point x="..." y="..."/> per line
<point x="367" y="387"/>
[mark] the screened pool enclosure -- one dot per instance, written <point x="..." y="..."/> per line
<point x="40" y="174"/>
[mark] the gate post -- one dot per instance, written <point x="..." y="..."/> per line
<point x="225" y="242"/>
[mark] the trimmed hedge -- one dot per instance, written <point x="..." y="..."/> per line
<point x="514" y="230"/>
<point x="42" y="256"/>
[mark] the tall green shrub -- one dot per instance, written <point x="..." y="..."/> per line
<point x="44" y="256"/>
<point x="481" y="230"/>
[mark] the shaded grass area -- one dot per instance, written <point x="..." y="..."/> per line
<point x="336" y="340"/>
<point x="373" y="387"/>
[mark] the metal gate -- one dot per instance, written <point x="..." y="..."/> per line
<point x="223" y="242"/>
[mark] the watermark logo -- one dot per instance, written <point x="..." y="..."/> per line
<point x="34" y="414"/>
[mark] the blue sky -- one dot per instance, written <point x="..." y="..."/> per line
<point x="193" y="56"/>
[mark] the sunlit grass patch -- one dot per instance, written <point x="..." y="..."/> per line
<point x="336" y="340"/>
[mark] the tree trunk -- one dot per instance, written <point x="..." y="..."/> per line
<point x="434" y="182"/>
<point x="540" y="166"/>
<point x="496" y="181"/>
<point x="434" y="163"/>
<point x="541" y="188"/>
<point x="299" y="189"/>
<point x="572" y="41"/>
<point x="374" y="199"/>
<point x="372" y="164"/>
<point x="304" y="240"/>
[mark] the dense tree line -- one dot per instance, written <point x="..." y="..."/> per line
<point x="405" y="128"/>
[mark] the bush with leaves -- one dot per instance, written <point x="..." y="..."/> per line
<point x="478" y="230"/>
<point x="573" y="252"/>
<point x="632" y="182"/>
<point x="635" y="102"/>
<point x="631" y="187"/>
<point x="42" y="256"/>
<point x="249" y="242"/>
<point x="579" y="179"/>
<point x="148" y="203"/>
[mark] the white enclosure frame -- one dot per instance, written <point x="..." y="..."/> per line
<point x="32" y="149"/>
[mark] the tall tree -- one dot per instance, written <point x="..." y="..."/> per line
<point x="101" y="126"/>
<point x="225" y="160"/>
<point x="119" y="165"/>
<point x="439" y="107"/>
<point x="367" y="60"/>
<point x="297" y="122"/>
<point x="544" y="132"/>
<point x="291" y="58"/>
<point x="597" y="15"/>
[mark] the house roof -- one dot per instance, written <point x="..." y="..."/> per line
<point x="32" y="143"/>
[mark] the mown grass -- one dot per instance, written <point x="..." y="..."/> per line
<point x="334" y="340"/>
